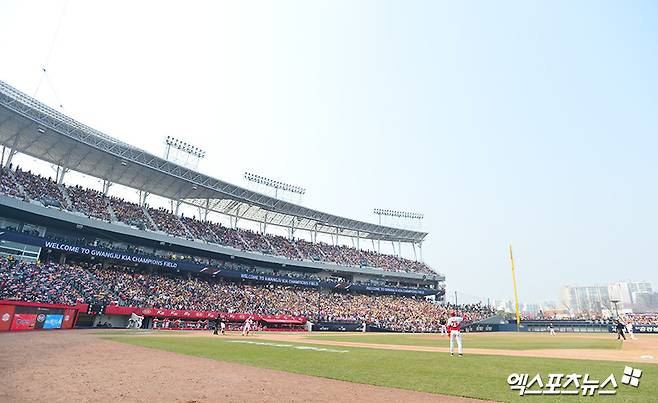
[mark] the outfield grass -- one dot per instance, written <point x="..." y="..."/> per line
<point x="520" y="341"/>
<point x="476" y="376"/>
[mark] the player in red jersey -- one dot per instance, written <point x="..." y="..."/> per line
<point x="454" y="329"/>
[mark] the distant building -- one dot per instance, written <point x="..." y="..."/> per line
<point x="597" y="298"/>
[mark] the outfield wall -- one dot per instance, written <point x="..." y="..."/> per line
<point x="560" y="327"/>
<point x="22" y="316"/>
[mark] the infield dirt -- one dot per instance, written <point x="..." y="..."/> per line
<point x="77" y="365"/>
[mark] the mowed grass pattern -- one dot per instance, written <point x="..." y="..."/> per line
<point x="501" y="341"/>
<point x="477" y="376"/>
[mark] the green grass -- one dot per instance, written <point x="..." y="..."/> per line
<point x="474" y="340"/>
<point x="477" y="376"/>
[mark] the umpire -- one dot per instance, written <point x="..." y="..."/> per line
<point x="620" y="330"/>
<point x="217" y="322"/>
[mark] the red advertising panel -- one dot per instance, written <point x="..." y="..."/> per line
<point x="6" y="312"/>
<point x="24" y="321"/>
<point x="69" y="317"/>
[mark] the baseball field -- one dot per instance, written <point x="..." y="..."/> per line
<point x="200" y="367"/>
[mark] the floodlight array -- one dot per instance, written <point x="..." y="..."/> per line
<point x="400" y="214"/>
<point x="183" y="146"/>
<point x="273" y="183"/>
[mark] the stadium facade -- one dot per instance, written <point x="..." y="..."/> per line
<point x="51" y="224"/>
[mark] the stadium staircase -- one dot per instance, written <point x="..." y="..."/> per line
<point x="274" y="251"/>
<point x="299" y="252"/>
<point x="67" y="198"/>
<point x="151" y="223"/>
<point x="246" y="245"/>
<point x="321" y="252"/>
<point x="113" y="215"/>
<point x="213" y="233"/>
<point x="187" y="231"/>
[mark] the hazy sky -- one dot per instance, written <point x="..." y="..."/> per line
<point x="531" y="123"/>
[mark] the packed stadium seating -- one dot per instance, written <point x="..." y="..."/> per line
<point x="37" y="187"/>
<point x="94" y="204"/>
<point x="130" y="213"/>
<point x="7" y="184"/>
<point x="54" y="283"/>
<point x="90" y="202"/>
<point x="649" y="318"/>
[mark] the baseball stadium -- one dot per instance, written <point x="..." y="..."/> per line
<point x="107" y="295"/>
<point x="135" y="269"/>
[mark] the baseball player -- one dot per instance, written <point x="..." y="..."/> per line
<point x="454" y="329"/>
<point x="222" y="326"/>
<point x="629" y="330"/>
<point x="551" y="329"/>
<point x="619" y="326"/>
<point x="247" y="327"/>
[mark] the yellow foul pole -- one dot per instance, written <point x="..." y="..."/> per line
<point x="516" y="295"/>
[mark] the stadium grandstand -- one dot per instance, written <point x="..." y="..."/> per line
<point x="53" y="225"/>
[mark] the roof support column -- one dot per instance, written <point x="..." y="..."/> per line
<point x="393" y="246"/>
<point x="399" y="249"/>
<point x="142" y="197"/>
<point x="413" y="245"/>
<point x="175" y="206"/>
<point x="12" y="150"/>
<point x="378" y="241"/>
<point x="207" y="209"/>
<point x="59" y="174"/>
<point x="336" y="236"/>
<point x="358" y="240"/>
<point x="106" y="186"/>
<point x="265" y="224"/>
<point x="291" y="231"/>
<point x="236" y="217"/>
<point x="2" y="160"/>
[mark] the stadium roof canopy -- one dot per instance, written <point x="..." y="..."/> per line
<point x="33" y="128"/>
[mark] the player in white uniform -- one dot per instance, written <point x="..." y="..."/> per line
<point x="629" y="330"/>
<point x="454" y="328"/>
<point x="247" y="327"/>
<point x="222" y="326"/>
<point x="551" y="329"/>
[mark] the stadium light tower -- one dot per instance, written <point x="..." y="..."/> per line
<point x="183" y="153"/>
<point x="274" y="184"/>
<point x="402" y="218"/>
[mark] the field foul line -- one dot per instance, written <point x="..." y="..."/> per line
<point x="261" y="343"/>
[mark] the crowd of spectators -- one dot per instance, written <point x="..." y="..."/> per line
<point x="130" y="213"/>
<point x="89" y="202"/>
<point x="650" y="318"/>
<point x="95" y="204"/>
<point x="49" y="283"/>
<point x="40" y="188"/>
<point x="69" y="284"/>
<point x="167" y="222"/>
<point x="7" y="184"/>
